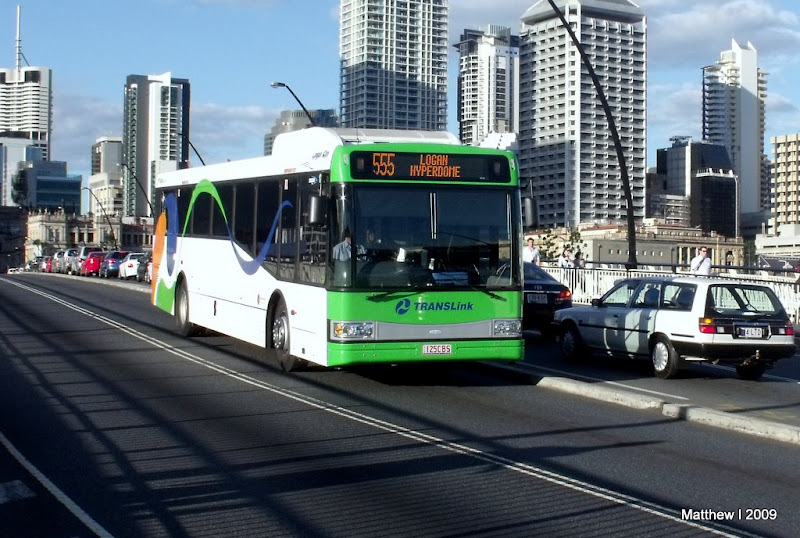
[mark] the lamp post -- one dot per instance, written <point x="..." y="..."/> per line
<point x="186" y="137"/>
<point x="284" y="85"/>
<point x="108" y="220"/>
<point x="141" y="187"/>
<point x="623" y="168"/>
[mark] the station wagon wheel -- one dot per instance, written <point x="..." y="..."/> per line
<point x="185" y="327"/>
<point x="750" y="372"/>
<point x="572" y="346"/>
<point x="665" y="359"/>
<point x="279" y="339"/>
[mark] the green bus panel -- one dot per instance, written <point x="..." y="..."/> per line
<point x="424" y="307"/>
<point x="397" y="352"/>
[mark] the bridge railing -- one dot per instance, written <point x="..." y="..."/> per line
<point x="594" y="281"/>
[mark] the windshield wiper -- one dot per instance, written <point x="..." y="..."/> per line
<point x="387" y="295"/>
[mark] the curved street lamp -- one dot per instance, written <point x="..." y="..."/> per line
<point x="186" y="137"/>
<point x="136" y="179"/>
<point x="108" y="220"/>
<point x="284" y="85"/>
<point x="623" y="168"/>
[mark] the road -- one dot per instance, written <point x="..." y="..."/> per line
<point x="115" y="426"/>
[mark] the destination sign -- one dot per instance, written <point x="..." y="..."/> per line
<point x="404" y="166"/>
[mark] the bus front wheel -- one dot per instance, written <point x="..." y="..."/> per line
<point x="185" y="327"/>
<point x="279" y="339"/>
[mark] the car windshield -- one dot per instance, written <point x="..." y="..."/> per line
<point x="742" y="300"/>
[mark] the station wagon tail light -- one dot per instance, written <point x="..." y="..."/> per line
<point x="787" y="329"/>
<point x="707" y="326"/>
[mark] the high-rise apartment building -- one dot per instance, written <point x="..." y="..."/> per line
<point x="695" y="186"/>
<point x="393" y="64"/>
<point x="155" y="136"/>
<point x="488" y="83"/>
<point x="785" y="201"/>
<point x="26" y="114"/>
<point x="734" y="96"/>
<point x="568" y="161"/>
<point x="105" y="181"/>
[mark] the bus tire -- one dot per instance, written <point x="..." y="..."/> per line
<point x="279" y="338"/>
<point x="185" y="327"/>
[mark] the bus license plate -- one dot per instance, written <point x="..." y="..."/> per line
<point x="437" y="349"/>
<point x="751" y="332"/>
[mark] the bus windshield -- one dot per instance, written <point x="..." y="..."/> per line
<point x="426" y="236"/>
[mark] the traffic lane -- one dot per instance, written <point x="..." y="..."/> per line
<point x="175" y="449"/>
<point x="773" y="398"/>
<point x="180" y="441"/>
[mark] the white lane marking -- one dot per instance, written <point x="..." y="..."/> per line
<point x="15" y="490"/>
<point x="601" y="381"/>
<point x="54" y="490"/>
<point x="423" y="438"/>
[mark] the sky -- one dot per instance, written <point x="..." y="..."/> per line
<point x="230" y="50"/>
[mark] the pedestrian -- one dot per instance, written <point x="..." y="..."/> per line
<point x="531" y="253"/>
<point x="565" y="260"/>
<point x="579" y="262"/>
<point x="701" y="264"/>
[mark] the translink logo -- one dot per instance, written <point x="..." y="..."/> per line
<point x="404" y="305"/>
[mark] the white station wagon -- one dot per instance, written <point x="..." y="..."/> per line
<point x="676" y="319"/>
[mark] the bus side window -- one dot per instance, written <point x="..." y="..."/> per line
<point x="267" y="203"/>
<point x="244" y="212"/>
<point x="219" y="226"/>
<point x="201" y="215"/>
<point x="184" y="197"/>
<point x="313" y="240"/>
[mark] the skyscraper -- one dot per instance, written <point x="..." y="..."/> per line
<point x="393" y="64"/>
<point x="155" y="136"/>
<point x="26" y="114"/>
<point x="567" y="155"/>
<point x="106" y="179"/>
<point x="488" y="83"/>
<point x="734" y="95"/>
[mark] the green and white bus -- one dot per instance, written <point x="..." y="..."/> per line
<point x="348" y="246"/>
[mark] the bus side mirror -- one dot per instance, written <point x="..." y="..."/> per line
<point x="529" y="212"/>
<point x="316" y="210"/>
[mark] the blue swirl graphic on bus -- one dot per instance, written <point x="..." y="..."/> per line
<point x="206" y="187"/>
<point x="402" y="306"/>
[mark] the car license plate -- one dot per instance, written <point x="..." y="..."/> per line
<point x="437" y="349"/>
<point x="537" y="298"/>
<point x="751" y="332"/>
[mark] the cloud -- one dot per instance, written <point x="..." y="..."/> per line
<point x="219" y="132"/>
<point x="673" y="110"/>
<point x="683" y="34"/>
<point x="78" y="121"/>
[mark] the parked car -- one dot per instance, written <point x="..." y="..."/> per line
<point x="543" y="295"/>
<point x="144" y="272"/>
<point x="58" y="259"/>
<point x="66" y="264"/>
<point x="674" y="320"/>
<point x="34" y="264"/>
<point x="129" y="264"/>
<point x="91" y="265"/>
<point x="110" y="265"/>
<point x="77" y="260"/>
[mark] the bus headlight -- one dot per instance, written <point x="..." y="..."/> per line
<point x="353" y="330"/>
<point x="507" y="327"/>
